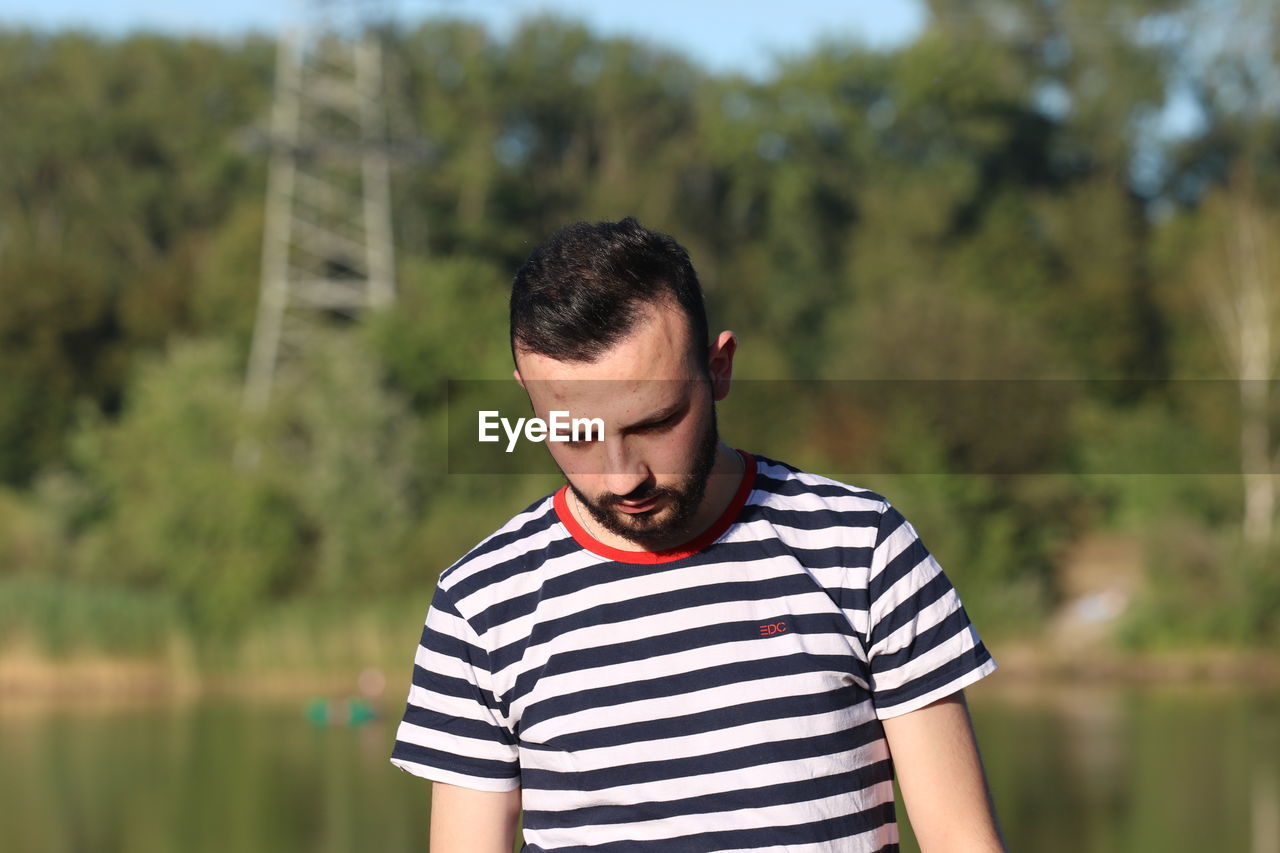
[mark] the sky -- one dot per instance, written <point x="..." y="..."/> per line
<point x="723" y="35"/>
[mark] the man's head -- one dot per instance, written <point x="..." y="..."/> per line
<point x="584" y="290"/>
<point x="607" y="321"/>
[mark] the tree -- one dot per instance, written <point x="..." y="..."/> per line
<point x="1236" y="272"/>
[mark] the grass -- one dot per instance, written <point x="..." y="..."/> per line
<point x="56" y="635"/>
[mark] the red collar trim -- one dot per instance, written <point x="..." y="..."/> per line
<point x="688" y="549"/>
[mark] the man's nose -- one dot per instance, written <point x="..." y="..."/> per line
<point x="624" y="472"/>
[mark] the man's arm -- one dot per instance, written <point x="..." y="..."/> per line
<point x="935" y="757"/>
<point x="464" y="820"/>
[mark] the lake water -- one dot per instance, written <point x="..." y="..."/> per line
<point x="1096" y="769"/>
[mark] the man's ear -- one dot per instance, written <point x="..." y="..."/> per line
<point x="519" y="381"/>
<point x="720" y="363"/>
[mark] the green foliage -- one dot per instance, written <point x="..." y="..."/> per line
<point x="327" y="511"/>
<point x="117" y="164"/>
<point x="176" y="514"/>
<point x="30" y="539"/>
<point x="61" y="617"/>
<point x="343" y="449"/>
<point x="52" y="351"/>
<point x="990" y="202"/>
<point x="1206" y="588"/>
<point x="1151" y="461"/>
<point x="994" y="536"/>
<point x="449" y="322"/>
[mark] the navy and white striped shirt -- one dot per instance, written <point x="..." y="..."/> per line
<point x="725" y="696"/>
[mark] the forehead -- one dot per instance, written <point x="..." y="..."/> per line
<point x="649" y="370"/>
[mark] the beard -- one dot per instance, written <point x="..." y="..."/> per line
<point x="669" y="524"/>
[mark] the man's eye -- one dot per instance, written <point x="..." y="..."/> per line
<point x="658" y="426"/>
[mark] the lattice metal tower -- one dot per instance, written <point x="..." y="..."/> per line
<point x="327" y="247"/>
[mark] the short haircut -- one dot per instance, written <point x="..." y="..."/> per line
<point x="581" y="293"/>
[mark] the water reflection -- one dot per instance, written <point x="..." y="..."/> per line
<point x="226" y="776"/>
<point x="1128" y="770"/>
<point x="1073" y="768"/>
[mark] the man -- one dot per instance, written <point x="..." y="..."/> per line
<point x="686" y="648"/>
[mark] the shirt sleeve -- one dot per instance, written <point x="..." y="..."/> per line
<point x="453" y="729"/>
<point x="921" y="645"/>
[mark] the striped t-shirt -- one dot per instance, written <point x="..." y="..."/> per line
<point x="723" y="696"/>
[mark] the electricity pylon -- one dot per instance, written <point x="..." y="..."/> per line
<point x="327" y="248"/>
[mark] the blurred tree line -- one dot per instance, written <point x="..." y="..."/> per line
<point x="1000" y="199"/>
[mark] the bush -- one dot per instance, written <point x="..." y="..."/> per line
<point x="1205" y="587"/>
<point x="61" y="617"/>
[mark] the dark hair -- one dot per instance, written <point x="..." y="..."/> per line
<point x="581" y="292"/>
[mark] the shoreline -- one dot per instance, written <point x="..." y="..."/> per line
<point x="1026" y="663"/>
<point x="28" y="678"/>
<point x="107" y="681"/>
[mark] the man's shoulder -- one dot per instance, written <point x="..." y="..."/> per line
<point x="781" y="484"/>
<point x="523" y="540"/>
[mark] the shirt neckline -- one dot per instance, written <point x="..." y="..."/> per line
<point x="688" y="549"/>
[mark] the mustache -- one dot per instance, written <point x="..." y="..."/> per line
<point x="646" y="492"/>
